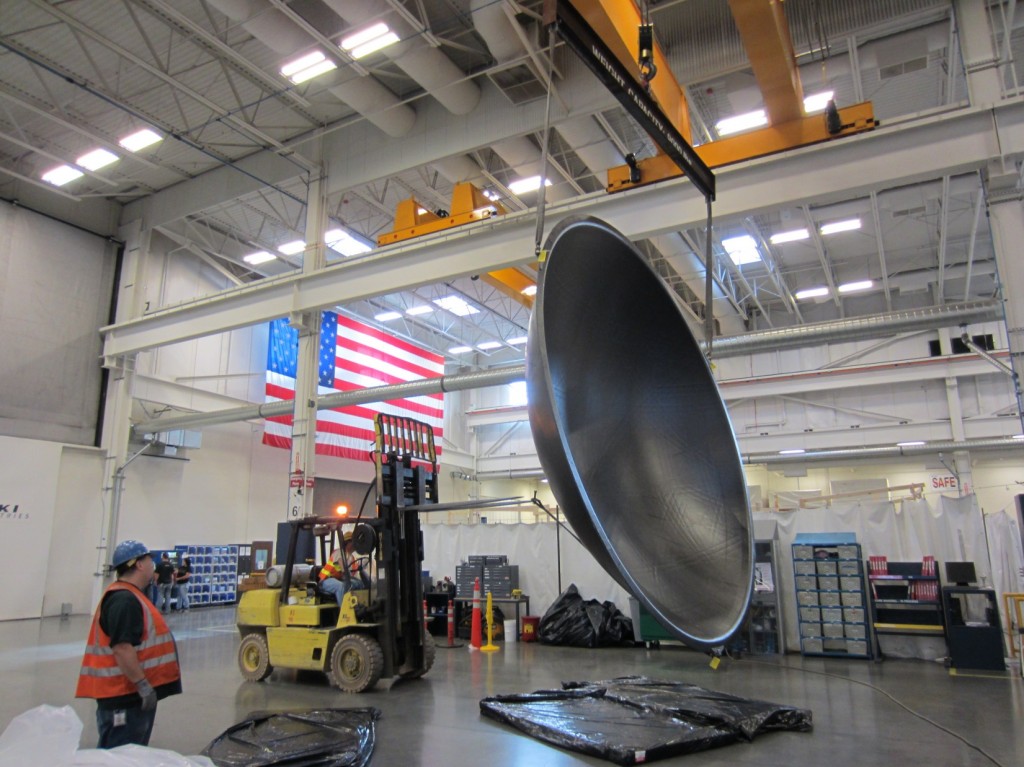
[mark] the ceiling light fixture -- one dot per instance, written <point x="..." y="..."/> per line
<point x="853" y="287"/>
<point x="293" y="247"/>
<point x="528" y="184"/>
<point x="421" y="309"/>
<point x="800" y="295"/>
<point x="456" y="306"/>
<point x="795" y="451"/>
<point x="529" y="290"/>
<point x="341" y="241"/>
<point x="486" y="345"/>
<point x="516" y="341"/>
<point x="817" y="101"/>
<point x="741" y="123"/>
<point x="259" y="257"/>
<point x="307" y="67"/>
<point x="460" y="349"/>
<point x="742" y="249"/>
<point x="1018" y="436"/>
<point x="791" y="236"/>
<point x="371" y="39"/>
<point x="841" y="226"/>
<point x="387" y="316"/>
<point x="62" y="175"/>
<point x="96" y="159"/>
<point x="140" y="140"/>
<point x="913" y="443"/>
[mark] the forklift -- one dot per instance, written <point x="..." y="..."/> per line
<point x="377" y="631"/>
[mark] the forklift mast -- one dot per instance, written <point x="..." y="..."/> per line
<point x="406" y="465"/>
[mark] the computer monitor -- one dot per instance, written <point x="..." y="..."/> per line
<point x="960" y="573"/>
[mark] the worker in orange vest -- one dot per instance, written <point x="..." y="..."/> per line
<point x="131" y="660"/>
<point x="331" y="575"/>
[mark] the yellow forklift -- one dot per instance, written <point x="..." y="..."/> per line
<point x="376" y="631"/>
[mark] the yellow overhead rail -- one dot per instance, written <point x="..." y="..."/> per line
<point x="413" y="219"/>
<point x="765" y="33"/>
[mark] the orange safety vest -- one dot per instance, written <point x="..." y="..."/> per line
<point x="101" y="677"/>
<point x="330" y="570"/>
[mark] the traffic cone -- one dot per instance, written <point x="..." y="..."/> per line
<point x="451" y="623"/>
<point x="490" y="646"/>
<point x="475" y="636"/>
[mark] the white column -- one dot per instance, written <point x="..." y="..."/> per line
<point x="981" y="60"/>
<point x="1006" y="217"/>
<point x="303" y="458"/>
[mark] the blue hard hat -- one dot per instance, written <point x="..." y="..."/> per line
<point x="126" y="551"/>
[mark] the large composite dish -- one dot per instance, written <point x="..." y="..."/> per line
<point x="633" y="435"/>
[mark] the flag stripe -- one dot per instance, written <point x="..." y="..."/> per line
<point x="371" y="336"/>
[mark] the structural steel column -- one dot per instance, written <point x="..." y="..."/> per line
<point x="981" y="60"/>
<point x="303" y="453"/>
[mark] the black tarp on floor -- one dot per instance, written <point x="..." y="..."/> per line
<point x="633" y="720"/>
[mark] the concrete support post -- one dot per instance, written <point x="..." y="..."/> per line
<point x="961" y="466"/>
<point x="303" y="457"/>
<point x="981" y="60"/>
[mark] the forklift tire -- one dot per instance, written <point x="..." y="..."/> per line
<point x="356" y="663"/>
<point x="254" y="658"/>
<point x="429" y="653"/>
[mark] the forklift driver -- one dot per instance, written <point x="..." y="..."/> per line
<point x="331" y="580"/>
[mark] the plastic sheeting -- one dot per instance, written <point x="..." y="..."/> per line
<point x="48" y="735"/>
<point x="322" y="737"/>
<point x="577" y="622"/>
<point x="633" y="720"/>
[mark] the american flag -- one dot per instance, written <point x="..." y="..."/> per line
<point x="352" y="356"/>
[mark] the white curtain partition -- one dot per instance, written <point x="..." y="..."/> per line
<point x="950" y="529"/>
<point x="531" y="547"/>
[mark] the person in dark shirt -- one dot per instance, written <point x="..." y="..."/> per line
<point x="165" y="582"/>
<point x="183" y="577"/>
<point x="131" y="660"/>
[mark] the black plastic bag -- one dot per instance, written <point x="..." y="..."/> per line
<point x="323" y="737"/>
<point x="634" y="720"/>
<point x="573" y="621"/>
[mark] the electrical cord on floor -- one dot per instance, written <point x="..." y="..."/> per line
<point x="895" y="700"/>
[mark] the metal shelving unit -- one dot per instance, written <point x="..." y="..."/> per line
<point x="214" y="573"/>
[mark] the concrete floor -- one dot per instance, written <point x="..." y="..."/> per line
<point x="435" y="722"/>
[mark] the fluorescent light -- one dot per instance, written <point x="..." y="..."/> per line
<point x="1018" y="436"/>
<point x="529" y="290"/>
<point x="800" y="295"/>
<point x="817" y="101"/>
<point x="741" y="122"/>
<point x="344" y="243"/>
<point x="293" y="247"/>
<point x="62" y="175"/>
<point x="421" y="309"/>
<point x="259" y="257"/>
<point x="489" y="345"/>
<point x="841" y="226"/>
<point x="96" y="159"/>
<point x="140" y="140"/>
<point x="853" y="287"/>
<point x="795" y="451"/>
<point x="742" y="249"/>
<point x="460" y="349"/>
<point x="371" y="39"/>
<point x="490" y="195"/>
<point x="914" y="443"/>
<point x="456" y="306"/>
<point x="528" y="184"/>
<point x="387" y="316"/>
<point x="791" y="236"/>
<point x="516" y="341"/>
<point x="307" y="67"/>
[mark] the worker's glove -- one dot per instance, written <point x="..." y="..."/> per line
<point x="147" y="693"/>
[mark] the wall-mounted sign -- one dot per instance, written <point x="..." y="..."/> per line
<point x="947" y="482"/>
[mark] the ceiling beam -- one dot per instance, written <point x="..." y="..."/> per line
<point x="908" y="153"/>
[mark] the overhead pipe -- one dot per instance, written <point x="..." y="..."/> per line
<point x="783" y="338"/>
<point x="891" y="451"/>
<point x="425" y="64"/>
<point x="282" y="35"/>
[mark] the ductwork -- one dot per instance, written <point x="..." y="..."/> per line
<point x="494" y="25"/>
<point x="690" y="268"/>
<point x="459" y="168"/>
<point x="279" y="33"/>
<point x="425" y="64"/>
<point x="591" y="144"/>
<point x="525" y="159"/>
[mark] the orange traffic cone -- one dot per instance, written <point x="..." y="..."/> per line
<point x="476" y="634"/>
<point x="451" y="623"/>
